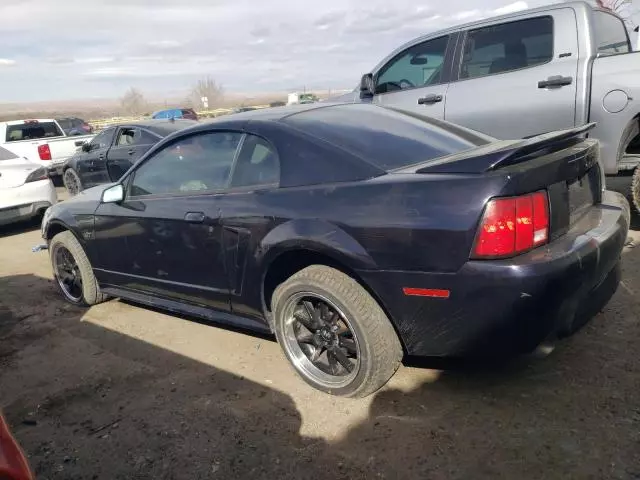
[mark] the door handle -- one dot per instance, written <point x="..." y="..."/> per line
<point x="555" y="81"/>
<point x="194" y="217"/>
<point x="131" y="152"/>
<point x="433" y="98"/>
<point x="101" y="157"/>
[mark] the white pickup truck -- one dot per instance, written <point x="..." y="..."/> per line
<point x="41" y="141"/>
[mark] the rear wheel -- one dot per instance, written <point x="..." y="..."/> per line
<point x="635" y="190"/>
<point x="72" y="181"/>
<point x="73" y="272"/>
<point x="334" y="333"/>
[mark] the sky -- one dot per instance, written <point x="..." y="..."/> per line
<point x="82" y="49"/>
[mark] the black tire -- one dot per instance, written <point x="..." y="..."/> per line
<point x="72" y="182"/>
<point x="628" y="135"/>
<point x="89" y="293"/>
<point x="380" y="351"/>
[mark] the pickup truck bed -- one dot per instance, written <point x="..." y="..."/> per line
<point x="41" y="141"/>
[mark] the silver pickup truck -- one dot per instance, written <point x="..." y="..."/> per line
<point x="523" y="74"/>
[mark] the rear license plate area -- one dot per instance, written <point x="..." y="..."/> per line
<point x="583" y="193"/>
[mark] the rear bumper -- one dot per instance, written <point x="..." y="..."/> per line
<point x="26" y="201"/>
<point x="509" y="307"/>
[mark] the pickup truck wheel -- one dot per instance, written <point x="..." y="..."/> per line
<point x="334" y="333"/>
<point x="73" y="272"/>
<point x="635" y="190"/>
<point x="72" y="181"/>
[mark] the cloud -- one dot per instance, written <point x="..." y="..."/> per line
<point x="102" y="47"/>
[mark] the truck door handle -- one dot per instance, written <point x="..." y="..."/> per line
<point x="194" y="217"/>
<point x="555" y="81"/>
<point x="131" y="152"/>
<point x="433" y="98"/>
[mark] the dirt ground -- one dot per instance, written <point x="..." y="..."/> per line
<point x="121" y="392"/>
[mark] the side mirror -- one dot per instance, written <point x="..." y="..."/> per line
<point x="86" y="147"/>
<point x="113" y="194"/>
<point x="367" y="89"/>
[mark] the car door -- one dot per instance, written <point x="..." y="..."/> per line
<point x="517" y="79"/>
<point x="91" y="165"/>
<point x="165" y="238"/>
<point x="416" y="79"/>
<point x="246" y="219"/>
<point x="130" y="144"/>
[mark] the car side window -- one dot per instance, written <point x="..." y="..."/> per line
<point x="102" y="140"/>
<point x="197" y="163"/>
<point x="507" y="47"/>
<point x="257" y="164"/>
<point x="126" y="137"/>
<point x="146" y="138"/>
<point x="418" y="66"/>
<point x="611" y="34"/>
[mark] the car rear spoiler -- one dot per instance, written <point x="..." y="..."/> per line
<point x="500" y="154"/>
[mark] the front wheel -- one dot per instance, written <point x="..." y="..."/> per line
<point x="334" y="333"/>
<point x="72" y="271"/>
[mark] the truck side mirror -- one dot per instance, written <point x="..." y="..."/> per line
<point x="367" y="89"/>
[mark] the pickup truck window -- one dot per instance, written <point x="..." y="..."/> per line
<point x="32" y="130"/>
<point x="418" y="66"/>
<point x="611" y="34"/>
<point x="506" y="47"/>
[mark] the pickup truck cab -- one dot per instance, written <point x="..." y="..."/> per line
<point x="40" y="141"/>
<point x="523" y="74"/>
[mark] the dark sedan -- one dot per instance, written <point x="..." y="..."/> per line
<point x="112" y="152"/>
<point x="357" y="234"/>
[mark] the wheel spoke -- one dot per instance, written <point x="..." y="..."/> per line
<point x="313" y="314"/>
<point x="334" y="366"/>
<point x="348" y="344"/>
<point x="305" y="336"/>
<point x="342" y="358"/>
<point x="315" y="356"/>
<point x="303" y="316"/>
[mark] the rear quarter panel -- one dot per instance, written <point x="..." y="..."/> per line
<point x="615" y="102"/>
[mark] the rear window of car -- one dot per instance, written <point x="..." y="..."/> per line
<point x="32" y="131"/>
<point x="611" y="34"/>
<point x="384" y="137"/>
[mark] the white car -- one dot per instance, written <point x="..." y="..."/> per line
<point x="25" y="188"/>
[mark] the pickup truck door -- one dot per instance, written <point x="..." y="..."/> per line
<point x="517" y="79"/>
<point x="130" y="144"/>
<point x="91" y="165"/>
<point x="416" y="78"/>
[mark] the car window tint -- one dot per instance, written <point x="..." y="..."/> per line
<point x="102" y="140"/>
<point x="506" y="47"/>
<point x="386" y="138"/>
<point x="418" y="66"/>
<point x="198" y="163"/>
<point x="32" y="130"/>
<point x="126" y="137"/>
<point x="146" y="138"/>
<point x="257" y="164"/>
<point x="611" y="34"/>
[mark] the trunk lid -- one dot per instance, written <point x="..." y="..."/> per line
<point x="14" y="172"/>
<point x="564" y="163"/>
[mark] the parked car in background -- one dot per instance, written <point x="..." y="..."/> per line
<point x="356" y="234"/>
<point x="109" y="154"/>
<point x="523" y="74"/>
<point x="185" y="113"/>
<point x="74" y="126"/>
<point x="25" y="188"/>
<point x="41" y="141"/>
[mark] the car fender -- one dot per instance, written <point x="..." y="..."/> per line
<point x="315" y="235"/>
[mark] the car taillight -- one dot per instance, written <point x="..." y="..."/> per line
<point x="511" y="226"/>
<point x="44" y="151"/>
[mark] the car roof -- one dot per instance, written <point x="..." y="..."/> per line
<point x="162" y="127"/>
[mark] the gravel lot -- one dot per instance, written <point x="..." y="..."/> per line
<point x="121" y="392"/>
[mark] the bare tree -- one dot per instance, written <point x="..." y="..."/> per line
<point x="207" y="88"/>
<point x="621" y="7"/>
<point x="133" y="102"/>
